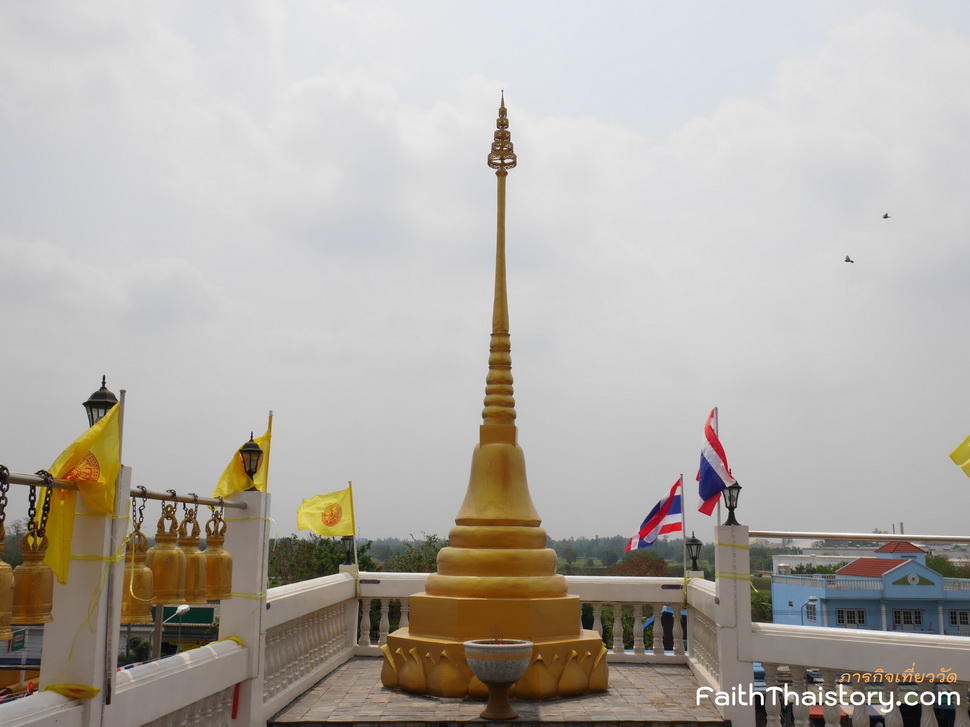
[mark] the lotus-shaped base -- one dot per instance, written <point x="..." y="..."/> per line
<point x="498" y="663"/>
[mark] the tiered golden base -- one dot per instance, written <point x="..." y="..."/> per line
<point x="429" y="657"/>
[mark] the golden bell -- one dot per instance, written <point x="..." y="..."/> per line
<point x="218" y="562"/>
<point x="136" y="601"/>
<point x="6" y="592"/>
<point x="195" y="561"/>
<point x="167" y="561"/>
<point x="33" y="584"/>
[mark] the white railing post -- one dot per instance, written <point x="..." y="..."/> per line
<point x="617" y="628"/>
<point x="364" y="622"/>
<point x="598" y="618"/>
<point x="832" y="713"/>
<point x="962" y="716"/>
<point x="241" y="617"/>
<point x="638" y="628"/>
<point x="81" y="643"/>
<point x="733" y="584"/>
<point x="773" y="704"/>
<point x="385" y="623"/>
<point x="658" y="629"/>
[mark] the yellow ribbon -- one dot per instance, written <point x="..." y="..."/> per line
<point x="732" y="545"/>
<point x="733" y="575"/>
<point x="77" y="691"/>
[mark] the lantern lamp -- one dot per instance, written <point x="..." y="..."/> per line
<point x="693" y="545"/>
<point x="99" y="403"/>
<point x="251" y="455"/>
<point x="731" y="494"/>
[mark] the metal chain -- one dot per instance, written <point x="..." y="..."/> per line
<point x="4" y="486"/>
<point x="32" y="509"/>
<point x="141" y="508"/>
<point x="46" y="508"/>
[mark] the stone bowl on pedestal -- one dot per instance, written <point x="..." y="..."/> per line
<point x="498" y="664"/>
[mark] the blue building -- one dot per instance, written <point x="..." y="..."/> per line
<point x="892" y="591"/>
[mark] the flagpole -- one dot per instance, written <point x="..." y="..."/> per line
<point x="350" y="487"/>
<point x="683" y="524"/>
<point x="717" y="434"/>
<point x="269" y="433"/>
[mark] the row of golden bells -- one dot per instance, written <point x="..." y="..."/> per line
<point x="26" y="592"/>
<point x="175" y="571"/>
<point x="172" y="572"/>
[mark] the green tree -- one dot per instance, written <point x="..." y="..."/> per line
<point x="761" y="607"/>
<point x="942" y="565"/>
<point x="639" y="563"/>
<point x="568" y="552"/>
<point x="138" y="650"/>
<point x="293" y="559"/>
<point x="418" y="556"/>
<point x="806" y="569"/>
<point x="15" y="531"/>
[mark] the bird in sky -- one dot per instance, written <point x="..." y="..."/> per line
<point x="848" y="259"/>
<point x="886" y="216"/>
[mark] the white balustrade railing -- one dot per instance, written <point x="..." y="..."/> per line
<point x="311" y="629"/>
<point x="275" y="644"/>
<point x="849" y="671"/>
<point x="635" y="598"/>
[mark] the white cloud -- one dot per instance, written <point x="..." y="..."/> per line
<point x="293" y="210"/>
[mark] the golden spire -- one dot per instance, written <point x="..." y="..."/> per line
<point x="499" y="402"/>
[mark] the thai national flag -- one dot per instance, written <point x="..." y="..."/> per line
<point x="666" y="517"/>
<point x="714" y="474"/>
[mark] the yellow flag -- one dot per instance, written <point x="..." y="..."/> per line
<point x="329" y="515"/>
<point x="961" y="456"/>
<point x="235" y="479"/>
<point x="92" y="461"/>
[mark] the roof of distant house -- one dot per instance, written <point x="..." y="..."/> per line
<point x="899" y="546"/>
<point x="870" y="567"/>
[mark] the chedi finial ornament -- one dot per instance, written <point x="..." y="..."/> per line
<point x="502" y="156"/>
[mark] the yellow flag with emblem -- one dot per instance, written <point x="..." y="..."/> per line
<point x="235" y="479"/>
<point x="961" y="456"/>
<point x="92" y="461"/>
<point x="330" y="515"/>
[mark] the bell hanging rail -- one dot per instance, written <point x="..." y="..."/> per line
<point x="138" y="491"/>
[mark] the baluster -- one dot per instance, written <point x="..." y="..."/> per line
<point x="894" y="718"/>
<point x="658" y="629"/>
<point x="318" y="641"/>
<point x="678" y="624"/>
<point x="617" y="628"/>
<point x="831" y="712"/>
<point x="800" y="708"/>
<point x="364" y="622"/>
<point x="772" y="697"/>
<point x="637" y="628"/>
<point x="299" y="645"/>
<point x="598" y="618"/>
<point x="405" y="609"/>
<point x="860" y="713"/>
<point x="385" y="624"/>
<point x="927" y="717"/>
<point x="962" y="718"/>
<point x="331" y="631"/>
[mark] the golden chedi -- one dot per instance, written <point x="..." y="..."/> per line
<point x="497" y="578"/>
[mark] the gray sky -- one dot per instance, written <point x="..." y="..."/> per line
<point x="232" y="207"/>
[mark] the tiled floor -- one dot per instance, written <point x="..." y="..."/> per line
<point x="639" y="694"/>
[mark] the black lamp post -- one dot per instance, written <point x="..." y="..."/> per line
<point x="348" y="541"/>
<point x="731" y="493"/>
<point x="99" y="403"/>
<point x="251" y="456"/>
<point x="693" y="546"/>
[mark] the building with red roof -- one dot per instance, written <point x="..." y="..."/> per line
<point x="892" y="590"/>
